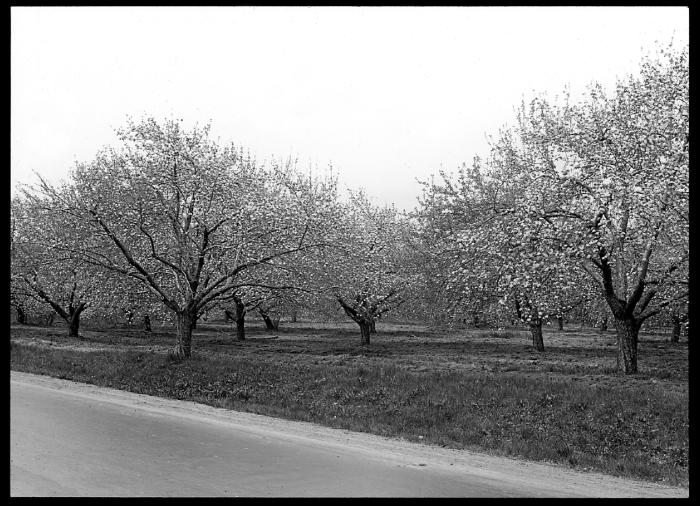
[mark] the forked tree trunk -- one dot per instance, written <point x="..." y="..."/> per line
<point x="364" y="331"/>
<point x="676" y="329"/>
<point x="362" y="322"/>
<point x="49" y="318"/>
<point x="560" y="322"/>
<point x="536" y="331"/>
<point x="627" y="337"/>
<point x="147" y="324"/>
<point x="185" y="322"/>
<point x="21" y="316"/>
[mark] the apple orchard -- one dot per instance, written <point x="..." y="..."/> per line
<point x="579" y="210"/>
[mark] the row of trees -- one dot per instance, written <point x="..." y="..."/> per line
<point x="174" y="224"/>
<point x="577" y="204"/>
<point x="579" y="208"/>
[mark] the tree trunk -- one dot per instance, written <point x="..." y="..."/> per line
<point x="627" y="336"/>
<point x="365" y="331"/>
<point x="49" y="318"/>
<point x="147" y="324"/>
<point x="361" y="321"/>
<point x="74" y="324"/>
<point x="294" y="317"/>
<point x="536" y="331"/>
<point x="373" y="327"/>
<point x="185" y="322"/>
<point x="21" y="316"/>
<point x="560" y="322"/>
<point x="518" y="309"/>
<point x="240" y="321"/>
<point x="269" y="324"/>
<point x="603" y="325"/>
<point x="240" y="329"/>
<point x="676" y="330"/>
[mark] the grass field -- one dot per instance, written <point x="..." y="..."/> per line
<point x="483" y="390"/>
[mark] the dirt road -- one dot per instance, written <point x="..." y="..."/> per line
<point x="73" y="439"/>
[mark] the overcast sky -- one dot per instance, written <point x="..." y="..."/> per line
<point x="386" y="95"/>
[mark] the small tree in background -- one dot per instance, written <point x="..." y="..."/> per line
<point x="364" y="269"/>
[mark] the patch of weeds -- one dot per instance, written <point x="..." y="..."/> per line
<point x="172" y="357"/>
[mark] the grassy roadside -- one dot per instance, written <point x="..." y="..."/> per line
<point x="639" y="429"/>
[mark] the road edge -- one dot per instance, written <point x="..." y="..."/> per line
<point x="546" y="476"/>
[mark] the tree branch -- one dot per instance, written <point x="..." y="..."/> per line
<point x="127" y="254"/>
